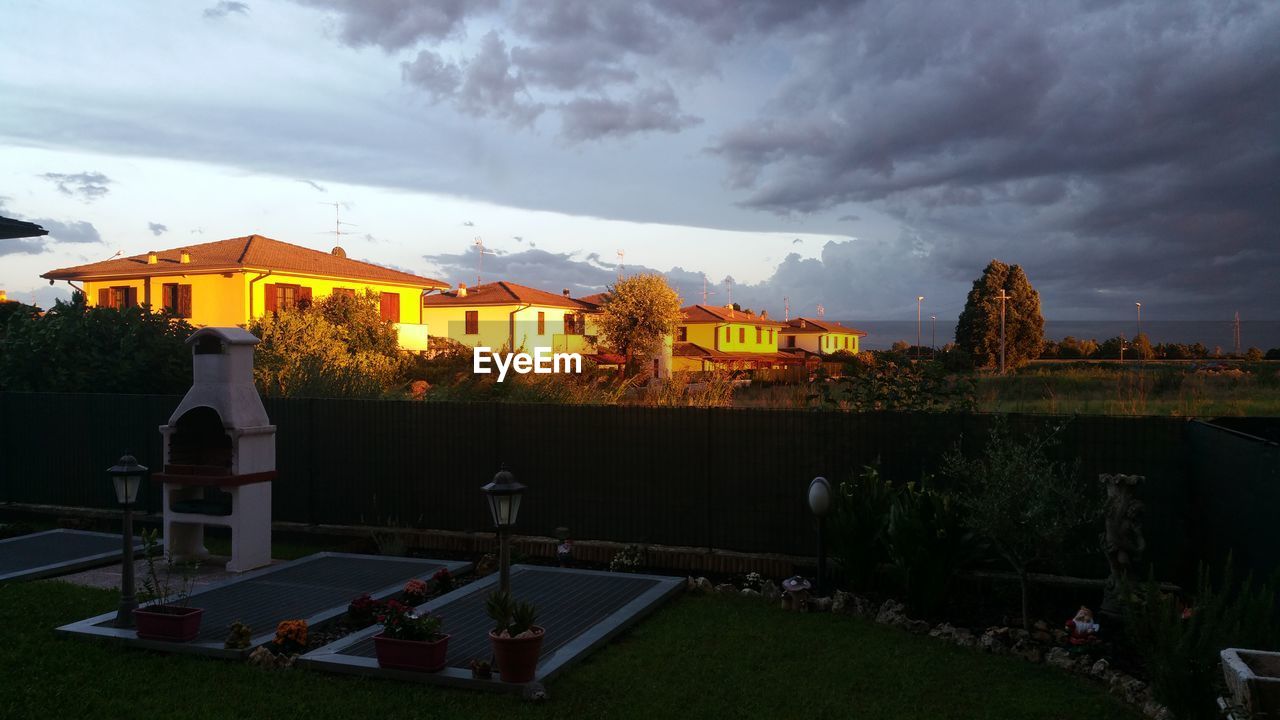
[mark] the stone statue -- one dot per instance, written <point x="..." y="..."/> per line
<point x="1122" y="542"/>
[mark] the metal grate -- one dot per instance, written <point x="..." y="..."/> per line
<point x="568" y="604"/>
<point x="52" y="548"/>
<point x="297" y="591"/>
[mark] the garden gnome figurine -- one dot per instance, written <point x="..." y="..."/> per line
<point x="795" y="595"/>
<point x="564" y="551"/>
<point x="1081" y="629"/>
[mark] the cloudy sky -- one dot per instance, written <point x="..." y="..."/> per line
<point x="849" y="154"/>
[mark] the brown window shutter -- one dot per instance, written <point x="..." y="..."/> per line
<point x="304" y="293"/>
<point x="542" y="323"/>
<point x="389" y="306"/>
<point x="184" y="301"/>
<point x="104" y="297"/>
<point x="269" y="298"/>
<point x="473" y="322"/>
<point x="131" y="297"/>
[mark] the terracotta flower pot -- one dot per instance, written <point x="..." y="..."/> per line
<point x="415" y="655"/>
<point x="517" y="657"/>
<point x="172" y="623"/>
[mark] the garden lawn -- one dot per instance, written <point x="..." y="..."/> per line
<point x="698" y="657"/>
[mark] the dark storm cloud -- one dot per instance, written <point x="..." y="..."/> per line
<point x="72" y="231"/>
<point x="1111" y="149"/>
<point x="77" y="231"/>
<point x="398" y="24"/>
<point x="157" y="229"/>
<point x="225" y="8"/>
<point x="87" y="186"/>
<point x="581" y="274"/>
<point x="655" y="109"/>
<point x="486" y="85"/>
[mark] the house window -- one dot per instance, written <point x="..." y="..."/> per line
<point x="389" y="305"/>
<point x="791" y="341"/>
<point x="682" y="334"/>
<point x="176" y="299"/>
<point x="542" y="323"/>
<point x="759" y="333"/>
<point x="574" y="324"/>
<point x="473" y="322"/>
<point x="286" y="297"/>
<point x="119" y="297"/>
<point x="846" y="343"/>
<point x="742" y="335"/>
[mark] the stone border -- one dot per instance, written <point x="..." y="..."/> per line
<point x="92" y="627"/>
<point x="329" y="657"/>
<point x="83" y="562"/>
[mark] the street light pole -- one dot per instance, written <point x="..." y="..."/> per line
<point x="933" y="342"/>
<point x="1139" y="318"/>
<point x="919" y="302"/>
<point x="1003" y="297"/>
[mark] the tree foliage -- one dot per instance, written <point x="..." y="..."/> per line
<point x="72" y="348"/>
<point x="338" y="347"/>
<point x="638" y="313"/>
<point x="1027" y="505"/>
<point x="978" y="330"/>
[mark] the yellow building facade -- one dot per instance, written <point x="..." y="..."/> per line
<point x="713" y="337"/>
<point x="507" y="315"/>
<point x="821" y="336"/>
<point x="232" y="282"/>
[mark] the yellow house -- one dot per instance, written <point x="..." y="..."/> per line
<point x="823" y="337"/>
<point x="713" y="337"/>
<point x="231" y="282"/>
<point x="507" y="315"/>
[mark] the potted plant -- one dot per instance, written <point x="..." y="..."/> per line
<point x="409" y="641"/>
<point x="167" y="616"/>
<point x="516" y="640"/>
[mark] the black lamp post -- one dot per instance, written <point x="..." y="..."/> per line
<point x="504" y="495"/>
<point x="820" y="503"/>
<point x="127" y="476"/>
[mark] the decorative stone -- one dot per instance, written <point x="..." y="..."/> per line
<point x="1027" y="651"/>
<point x="892" y="613"/>
<point x="840" y="602"/>
<point x="822" y="604"/>
<point x="534" y="692"/>
<point x="1100" y="669"/>
<point x="917" y="627"/>
<point x="770" y="592"/>
<point x="1042" y="637"/>
<point x="727" y="589"/>
<point x="1060" y="658"/>
<point x="991" y="641"/>
<point x="1156" y="711"/>
<point x="749" y="593"/>
<point x="943" y="631"/>
<point x="704" y="586"/>
<point x="963" y="637"/>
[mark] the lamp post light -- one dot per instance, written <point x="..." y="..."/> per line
<point x="933" y="343"/>
<point x="919" y="301"/>
<point x="127" y="476"/>
<point x="504" y="495"/>
<point x="820" y="503"/>
<point x="1139" y="306"/>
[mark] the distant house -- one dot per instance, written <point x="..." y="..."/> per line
<point x="505" y="314"/>
<point x="712" y="337"/>
<point x="232" y="282"/>
<point x="822" y="337"/>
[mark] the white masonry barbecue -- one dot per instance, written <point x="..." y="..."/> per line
<point x="219" y="454"/>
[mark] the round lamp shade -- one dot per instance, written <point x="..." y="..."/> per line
<point x="127" y="476"/>
<point x="819" y="496"/>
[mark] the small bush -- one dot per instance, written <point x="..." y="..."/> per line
<point x="929" y="546"/>
<point x="859" y="521"/>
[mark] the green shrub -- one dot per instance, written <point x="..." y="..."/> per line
<point x="1180" y="645"/>
<point x="858" y="524"/>
<point x="929" y="545"/>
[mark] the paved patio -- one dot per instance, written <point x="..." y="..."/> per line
<point x="580" y="610"/>
<point x="315" y="588"/>
<point x="57" y="552"/>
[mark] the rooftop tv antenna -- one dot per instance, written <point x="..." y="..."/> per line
<point x="705" y="292"/>
<point x="621" y="256"/>
<point x="729" y="283"/>
<point x="480" y="253"/>
<point x="822" y="311"/>
<point x="338" y="223"/>
<point x="786" y="309"/>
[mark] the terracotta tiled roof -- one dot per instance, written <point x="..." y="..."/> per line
<point x="253" y="252"/>
<point x="712" y="314"/>
<point x="504" y="293"/>
<point x="805" y="326"/>
<point x="596" y="299"/>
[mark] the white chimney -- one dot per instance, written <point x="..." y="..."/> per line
<point x="152" y="259"/>
<point x="462" y="290"/>
<point x="184" y="258"/>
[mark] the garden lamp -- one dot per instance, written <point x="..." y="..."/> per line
<point x="820" y="504"/>
<point x="126" y="475"/>
<point x="504" y="495"/>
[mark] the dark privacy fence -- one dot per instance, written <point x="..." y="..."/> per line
<point x="720" y="478"/>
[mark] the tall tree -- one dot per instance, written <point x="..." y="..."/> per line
<point x="638" y="314"/>
<point x="978" y="330"/>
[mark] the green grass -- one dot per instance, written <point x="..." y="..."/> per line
<point x="698" y="657"/>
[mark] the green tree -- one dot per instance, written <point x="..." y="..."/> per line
<point x="1141" y="347"/>
<point x="72" y="348"/>
<point x="338" y="347"/>
<point x="1028" y="506"/>
<point x="638" y="314"/>
<point x="978" y="330"/>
